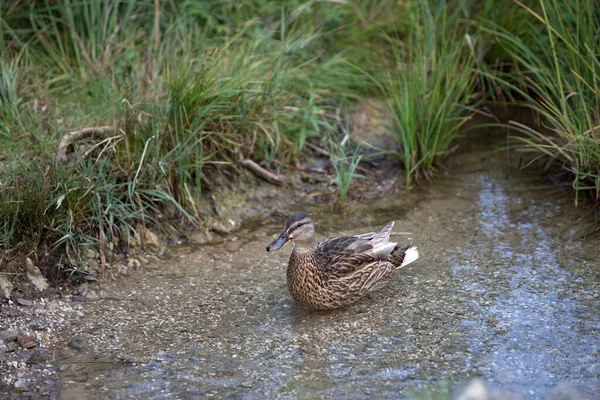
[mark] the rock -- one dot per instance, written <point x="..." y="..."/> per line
<point x="79" y="299"/>
<point x="26" y="341"/>
<point x="92" y="295"/>
<point x="83" y="289"/>
<point x="25" y="302"/>
<point x="475" y="390"/>
<point x="5" y="287"/>
<point x="9" y="335"/>
<point x="64" y="367"/>
<point x="220" y="227"/>
<point x="76" y="344"/>
<point x="566" y="392"/>
<point x="12" y="346"/>
<point x="3" y="349"/>
<point x="35" y="276"/>
<point x="40" y="356"/>
<point x="21" y="384"/>
<point x="149" y="239"/>
<point x="36" y="325"/>
<point x="201" y="237"/>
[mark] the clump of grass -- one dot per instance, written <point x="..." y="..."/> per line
<point x="26" y="192"/>
<point x="430" y="91"/>
<point x="556" y="73"/>
<point x="344" y="165"/>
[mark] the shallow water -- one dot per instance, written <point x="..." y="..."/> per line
<point x="498" y="293"/>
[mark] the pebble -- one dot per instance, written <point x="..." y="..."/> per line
<point x="6" y="287"/>
<point x="92" y="295"/>
<point x="35" y="276"/>
<point x="149" y="239"/>
<point x="21" y="384"/>
<point x="37" y="326"/>
<point x="83" y="289"/>
<point x="12" y="346"/>
<point x="25" y="302"/>
<point x="76" y="344"/>
<point x="9" y="335"/>
<point x="3" y="349"/>
<point x="40" y="356"/>
<point x="26" y="341"/>
<point x="79" y="299"/>
<point x="64" y="367"/>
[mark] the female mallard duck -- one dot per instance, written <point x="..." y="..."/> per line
<point x="338" y="271"/>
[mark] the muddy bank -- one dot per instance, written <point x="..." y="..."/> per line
<point x="500" y="292"/>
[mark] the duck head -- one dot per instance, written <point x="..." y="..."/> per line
<point x="299" y="229"/>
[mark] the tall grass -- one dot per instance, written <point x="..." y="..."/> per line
<point x="430" y="91"/>
<point x="188" y="88"/>
<point x="556" y="74"/>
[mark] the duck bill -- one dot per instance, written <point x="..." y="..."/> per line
<point x="281" y="241"/>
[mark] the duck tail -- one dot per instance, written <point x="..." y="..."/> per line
<point x="401" y="257"/>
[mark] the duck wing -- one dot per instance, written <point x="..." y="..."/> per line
<point x="345" y="255"/>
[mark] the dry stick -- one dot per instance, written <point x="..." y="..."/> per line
<point x="141" y="162"/>
<point x="318" y="149"/>
<point x="261" y="172"/>
<point x="68" y="138"/>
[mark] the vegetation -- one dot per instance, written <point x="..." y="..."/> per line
<point x="431" y="88"/>
<point x="344" y="166"/>
<point x="116" y="113"/>
<point x="556" y="74"/>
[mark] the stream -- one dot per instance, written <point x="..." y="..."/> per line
<point x="500" y="292"/>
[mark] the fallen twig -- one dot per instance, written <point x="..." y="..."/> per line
<point x="318" y="149"/>
<point x="67" y="139"/>
<point x="261" y="172"/>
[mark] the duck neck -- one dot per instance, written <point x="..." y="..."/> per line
<point x="306" y="247"/>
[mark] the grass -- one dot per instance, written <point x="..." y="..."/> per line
<point x="188" y="89"/>
<point x="431" y="90"/>
<point x="556" y="75"/>
<point x="344" y="166"/>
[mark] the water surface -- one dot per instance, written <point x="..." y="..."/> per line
<point x="500" y="292"/>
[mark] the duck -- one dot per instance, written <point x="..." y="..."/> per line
<point x="338" y="271"/>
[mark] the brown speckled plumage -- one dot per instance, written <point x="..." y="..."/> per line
<point x="338" y="271"/>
